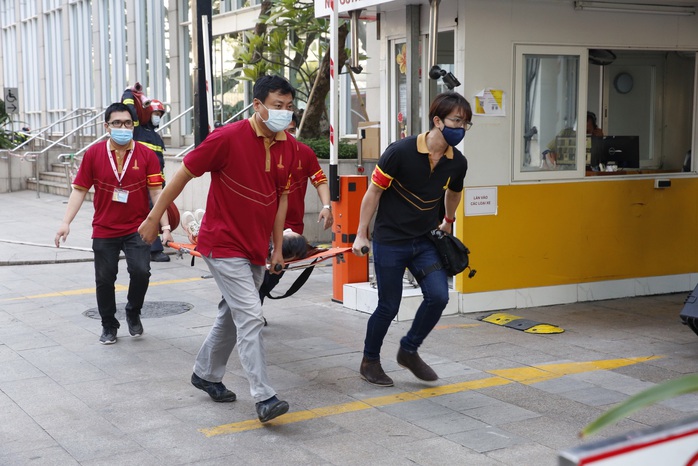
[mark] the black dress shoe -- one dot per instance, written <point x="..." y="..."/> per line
<point x="372" y="372"/>
<point x="159" y="257"/>
<point x="135" y="327"/>
<point x="412" y="361"/>
<point x="216" y="390"/>
<point x="271" y="408"/>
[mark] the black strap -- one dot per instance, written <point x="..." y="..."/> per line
<point x="424" y="272"/>
<point x="300" y="281"/>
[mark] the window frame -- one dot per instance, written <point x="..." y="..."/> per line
<point x="520" y="51"/>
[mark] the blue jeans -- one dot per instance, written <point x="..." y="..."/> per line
<point x="107" y="252"/>
<point x="390" y="261"/>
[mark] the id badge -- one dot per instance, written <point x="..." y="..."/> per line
<point x="120" y="195"/>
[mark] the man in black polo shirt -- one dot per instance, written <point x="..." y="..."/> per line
<point x="415" y="178"/>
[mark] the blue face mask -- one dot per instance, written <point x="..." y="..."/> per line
<point x="155" y="120"/>
<point x="278" y="119"/>
<point x="453" y="136"/>
<point x="121" y="136"/>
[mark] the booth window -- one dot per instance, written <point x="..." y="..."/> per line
<point x="593" y="112"/>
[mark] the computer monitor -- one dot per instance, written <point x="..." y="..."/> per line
<point x="623" y="150"/>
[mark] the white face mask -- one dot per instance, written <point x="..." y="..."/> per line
<point x="155" y="120"/>
<point x="278" y="119"/>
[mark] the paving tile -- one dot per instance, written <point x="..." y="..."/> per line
<point x="439" y="451"/>
<point x="526" y="454"/>
<point x="486" y="439"/>
<point x="596" y="396"/>
<point x="450" y="423"/>
<point x="45" y="456"/>
<point x="66" y="399"/>
<point x="500" y="413"/>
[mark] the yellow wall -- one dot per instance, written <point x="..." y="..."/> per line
<point x="565" y="233"/>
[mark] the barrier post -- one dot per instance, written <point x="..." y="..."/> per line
<point x="352" y="269"/>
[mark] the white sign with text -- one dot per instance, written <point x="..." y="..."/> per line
<point x="480" y="201"/>
<point x="324" y="7"/>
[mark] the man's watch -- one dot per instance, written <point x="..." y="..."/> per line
<point x="327" y="206"/>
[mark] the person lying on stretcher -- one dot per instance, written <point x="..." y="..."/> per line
<point x="296" y="247"/>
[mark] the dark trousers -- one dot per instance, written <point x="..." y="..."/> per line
<point x="107" y="252"/>
<point x="390" y="261"/>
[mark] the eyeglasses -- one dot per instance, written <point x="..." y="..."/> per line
<point x="121" y="124"/>
<point x="461" y="122"/>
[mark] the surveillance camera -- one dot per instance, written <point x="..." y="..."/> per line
<point x="447" y="77"/>
<point x="450" y="80"/>
<point x="435" y="72"/>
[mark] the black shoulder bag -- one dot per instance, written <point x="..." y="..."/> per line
<point x="453" y="255"/>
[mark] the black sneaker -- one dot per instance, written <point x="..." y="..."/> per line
<point x="159" y="257"/>
<point x="108" y="336"/>
<point x="135" y="328"/>
<point x="271" y="408"/>
<point x="216" y="390"/>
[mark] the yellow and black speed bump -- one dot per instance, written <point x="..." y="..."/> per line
<point x="519" y="323"/>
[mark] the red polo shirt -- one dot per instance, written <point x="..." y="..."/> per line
<point x="111" y="218"/>
<point x="305" y="167"/>
<point x="248" y="175"/>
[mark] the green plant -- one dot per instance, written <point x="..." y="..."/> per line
<point x="5" y="128"/>
<point x="661" y="392"/>
<point x="321" y="147"/>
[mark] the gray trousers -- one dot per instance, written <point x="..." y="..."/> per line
<point x="239" y="321"/>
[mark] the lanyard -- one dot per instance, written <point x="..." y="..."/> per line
<point x="113" y="165"/>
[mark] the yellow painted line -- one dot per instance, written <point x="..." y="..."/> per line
<point x="117" y="287"/>
<point x="443" y="327"/>
<point x="535" y="374"/>
<point x="316" y="413"/>
<point x="524" y="375"/>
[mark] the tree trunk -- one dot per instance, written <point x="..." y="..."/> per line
<point x="315" y="122"/>
<point x="260" y="28"/>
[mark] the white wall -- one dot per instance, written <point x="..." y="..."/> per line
<point x="489" y="57"/>
<point x="486" y="33"/>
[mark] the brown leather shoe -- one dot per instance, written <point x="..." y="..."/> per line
<point x="414" y="363"/>
<point x="372" y="372"/>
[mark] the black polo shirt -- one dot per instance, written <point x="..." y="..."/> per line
<point x="413" y="192"/>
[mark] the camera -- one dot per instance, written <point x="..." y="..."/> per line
<point x="448" y="78"/>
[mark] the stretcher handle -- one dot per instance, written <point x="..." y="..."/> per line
<point x="364" y="250"/>
<point x="278" y="268"/>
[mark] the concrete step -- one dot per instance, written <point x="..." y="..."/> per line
<point x="54" y="187"/>
<point x="56" y="176"/>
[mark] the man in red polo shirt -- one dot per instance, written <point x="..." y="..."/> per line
<point x="250" y="164"/>
<point x="125" y="175"/>
<point x="305" y="168"/>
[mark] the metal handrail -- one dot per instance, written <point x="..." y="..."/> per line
<point x="58" y="141"/>
<point x="68" y="134"/>
<point x="169" y="122"/>
<point x="191" y="146"/>
<point x="67" y="117"/>
<point x="69" y="160"/>
<point x="238" y="114"/>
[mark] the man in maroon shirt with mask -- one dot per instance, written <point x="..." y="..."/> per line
<point x="250" y="164"/>
<point x="124" y="175"/>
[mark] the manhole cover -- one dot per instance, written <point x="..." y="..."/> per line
<point x="150" y="310"/>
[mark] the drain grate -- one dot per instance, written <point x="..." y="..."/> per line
<point x="150" y="310"/>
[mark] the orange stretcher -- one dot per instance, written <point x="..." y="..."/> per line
<point x="309" y="261"/>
